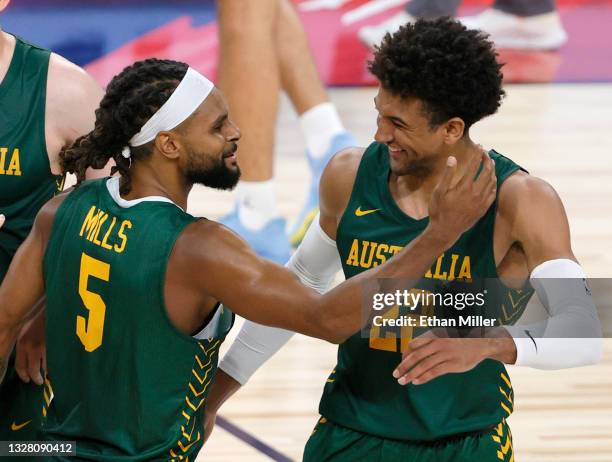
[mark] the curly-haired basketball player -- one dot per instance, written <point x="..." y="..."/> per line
<point x="449" y="398"/>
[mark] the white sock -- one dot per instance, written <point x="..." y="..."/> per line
<point x="256" y="202"/>
<point x="320" y="125"/>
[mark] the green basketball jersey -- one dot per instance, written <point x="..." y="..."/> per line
<point x="123" y="382"/>
<point x="361" y="392"/>
<point x="26" y="181"/>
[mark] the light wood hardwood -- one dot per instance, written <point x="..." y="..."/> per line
<point x="562" y="133"/>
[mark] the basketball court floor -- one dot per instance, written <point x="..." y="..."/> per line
<point x="559" y="132"/>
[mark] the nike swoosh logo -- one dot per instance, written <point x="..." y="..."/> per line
<point x="361" y="213"/>
<point x="16" y="427"/>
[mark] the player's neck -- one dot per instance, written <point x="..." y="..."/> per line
<point x="147" y="181"/>
<point x="7" y="47"/>
<point x="413" y="192"/>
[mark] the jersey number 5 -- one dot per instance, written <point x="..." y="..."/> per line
<point x="91" y="330"/>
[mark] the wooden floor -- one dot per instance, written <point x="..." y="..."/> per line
<point x="562" y="133"/>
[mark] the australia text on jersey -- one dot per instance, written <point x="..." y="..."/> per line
<point x="9" y="164"/>
<point x="367" y="254"/>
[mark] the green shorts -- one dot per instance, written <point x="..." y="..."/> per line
<point x="21" y="407"/>
<point x="332" y="443"/>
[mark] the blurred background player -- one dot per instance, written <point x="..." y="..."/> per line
<point x="526" y="24"/>
<point x="46" y="103"/>
<point x="263" y="49"/>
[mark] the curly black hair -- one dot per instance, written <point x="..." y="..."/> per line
<point x="451" y="69"/>
<point x="131" y="98"/>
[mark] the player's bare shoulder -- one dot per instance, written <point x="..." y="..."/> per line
<point x="46" y="215"/>
<point x="72" y="98"/>
<point x="68" y="82"/>
<point x="531" y="213"/>
<point x="206" y="242"/>
<point x="524" y="192"/>
<point x="338" y="179"/>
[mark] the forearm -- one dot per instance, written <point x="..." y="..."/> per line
<point x="571" y="335"/>
<point x="223" y="388"/>
<point x="341" y="308"/>
<point x="500" y="347"/>
<point x="315" y="263"/>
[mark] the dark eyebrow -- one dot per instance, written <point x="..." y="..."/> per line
<point x="219" y="120"/>
<point x="393" y="118"/>
<point x="399" y="121"/>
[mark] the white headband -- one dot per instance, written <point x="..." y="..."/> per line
<point x="190" y="93"/>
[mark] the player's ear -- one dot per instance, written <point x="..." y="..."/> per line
<point x="453" y="130"/>
<point x="168" y="144"/>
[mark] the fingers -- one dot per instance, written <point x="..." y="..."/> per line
<point x="43" y="355"/>
<point x="419" y="342"/>
<point x="34" y="367"/>
<point x="417" y="350"/>
<point x="416" y="374"/>
<point x="427" y="355"/>
<point x="1" y="220"/>
<point x="447" y="176"/>
<point x="30" y="363"/>
<point x="435" y="372"/>
<point x="21" y="364"/>
<point x="487" y="177"/>
<point x="470" y="171"/>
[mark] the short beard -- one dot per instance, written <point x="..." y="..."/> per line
<point x="416" y="169"/>
<point x="218" y="176"/>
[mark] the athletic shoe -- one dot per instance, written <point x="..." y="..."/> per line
<point x="269" y="242"/>
<point x="372" y="36"/>
<point x="539" y="32"/>
<point x="311" y="207"/>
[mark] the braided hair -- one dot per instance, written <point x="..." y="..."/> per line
<point x="132" y="97"/>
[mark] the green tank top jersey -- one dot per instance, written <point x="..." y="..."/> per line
<point x="123" y="382"/>
<point x="26" y="181"/>
<point x="361" y="393"/>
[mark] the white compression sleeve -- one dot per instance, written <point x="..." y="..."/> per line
<point x="315" y="262"/>
<point x="571" y="336"/>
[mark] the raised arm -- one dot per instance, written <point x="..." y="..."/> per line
<point x="315" y="263"/>
<point x="269" y="294"/>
